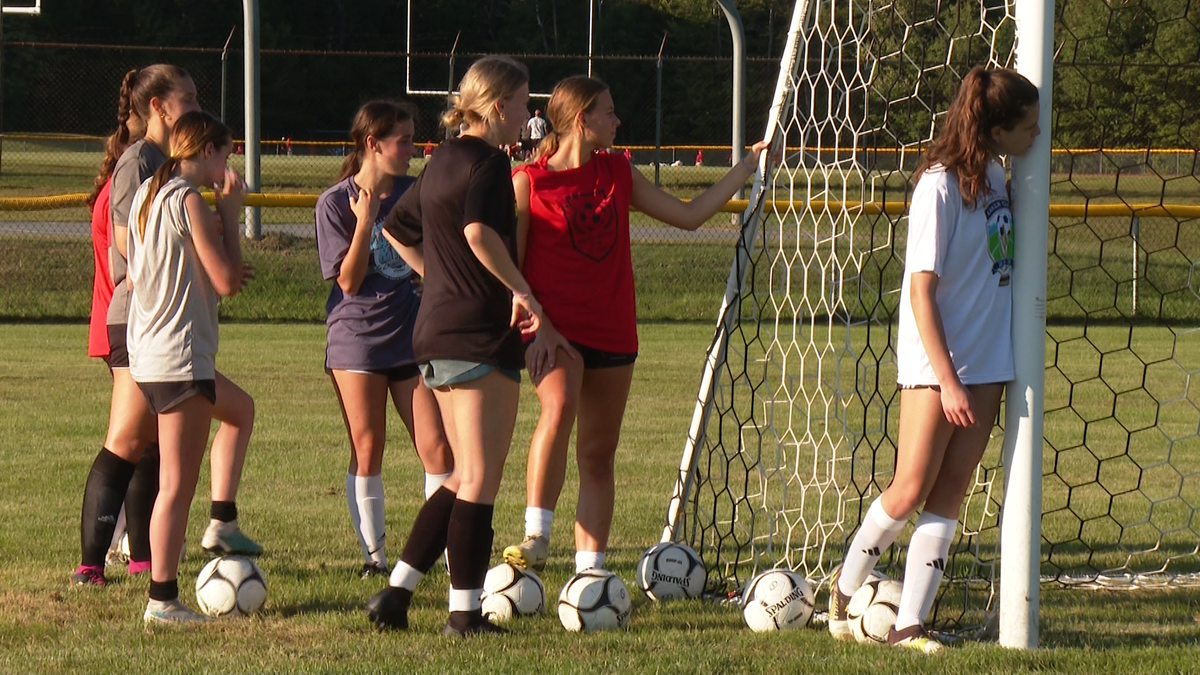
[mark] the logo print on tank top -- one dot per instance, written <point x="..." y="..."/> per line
<point x="592" y="223"/>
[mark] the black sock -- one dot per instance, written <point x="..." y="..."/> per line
<point x="164" y="591"/>
<point x="139" y="504"/>
<point x="102" y="497"/>
<point x="427" y="539"/>
<point x="226" y="512"/>
<point x="469" y="544"/>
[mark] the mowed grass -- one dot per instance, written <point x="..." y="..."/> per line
<point x="53" y="412"/>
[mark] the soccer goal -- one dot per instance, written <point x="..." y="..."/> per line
<point x="795" y="422"/>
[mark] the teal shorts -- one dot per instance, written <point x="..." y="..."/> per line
<point x="442" y="372"/>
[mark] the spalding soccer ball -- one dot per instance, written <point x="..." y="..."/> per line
<point x="872" y="610"/>
<point x="594" y="600"/>
<point x="777" y="599"/>
<point x="510" y="592"/>
<point x="668" y="571"/>
<point x="230" y="586"/>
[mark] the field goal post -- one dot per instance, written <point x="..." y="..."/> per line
<point x="814" y="266"/>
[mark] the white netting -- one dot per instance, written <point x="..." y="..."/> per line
<point x="796" y="424"/>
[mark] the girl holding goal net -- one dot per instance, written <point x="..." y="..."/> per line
<point x="573" y="206"/>
<point x="954" y="348"/>
<point x="371" y="309"/>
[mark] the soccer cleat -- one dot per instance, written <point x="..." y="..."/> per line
<point x="530" y="554"/>
<point x="89" y="575"/>
<point x="914" y="638"/>
<point x="115" y="556"/>
<point x="138" y="567"/>
<point x="839" y="627"/>
<point x="388" y="609"/>
<point x="470" y="623"/>
<point x="227" y="539"/>
<point x="172" y="613"/>
<point x="373" y="569"/>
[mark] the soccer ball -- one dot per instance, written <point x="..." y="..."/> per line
<point x="594" y="599"/>
<point x="230" y="586"/>
<point x="872" y="610"/>
<point x="668" y="571"/>
<point x="510" y="592"/>
<point x="777" y="599"/>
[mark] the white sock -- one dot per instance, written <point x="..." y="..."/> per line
<point x="355" y="520"/>
<point x="405" y="576"/>
<point x="586" y="560"/>
<point x="118" y="531"/>
<point x="369" y="491"/>
<point x="927" y="551"/>
<point x="433" y="481"/>
<point x="467" y="600"/>
<point x="877" y="532"/>
<point x="538" y="521"/>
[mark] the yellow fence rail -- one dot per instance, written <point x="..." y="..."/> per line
<point x="1078" y="210"/>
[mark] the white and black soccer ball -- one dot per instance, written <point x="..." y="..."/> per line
<point x="230" y="586"/>
<point x="777" y="599"/>
<point x="509" y="592"/>
<point x="668" y="571"/>
<point x="594" y="599"/>
<point x="872" y="610"/>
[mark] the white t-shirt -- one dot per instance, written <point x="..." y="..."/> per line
<point x="971" y="251"/>
<point x="172" y="331"/>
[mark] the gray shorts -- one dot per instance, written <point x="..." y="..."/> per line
<point x="162" y="396"/>
<point x="442" y="372"/>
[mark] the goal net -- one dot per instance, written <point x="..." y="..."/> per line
<point x="795" y="425"/>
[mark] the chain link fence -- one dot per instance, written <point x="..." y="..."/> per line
<point x="60" y="103"/>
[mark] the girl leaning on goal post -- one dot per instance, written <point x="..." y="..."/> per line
<point x="181" y="258"/>
<point x="954" y="347"/>
<point x="371" y="310"/>
<point x="457" y="228"/>
<point x="573" y="206"/>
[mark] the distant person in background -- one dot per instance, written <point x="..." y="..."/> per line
<point x="371" y="310"/>
<point x="537" y="128"/>
<point x="127" y="468"/>
<point x="573" y="206"/>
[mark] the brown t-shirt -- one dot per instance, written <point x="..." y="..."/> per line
<point x="465" y="310"/>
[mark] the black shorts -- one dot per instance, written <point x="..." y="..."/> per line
<point x="594" y="359"/>
<point x="162" y="396"/>
<point x="118" y="352"/>
<point x="397" y="374"/>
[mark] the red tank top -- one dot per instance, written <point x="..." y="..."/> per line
<point x="577" y="258"/>
<point x="102" y="285"/>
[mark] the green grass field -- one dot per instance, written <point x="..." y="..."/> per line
<point x="53" y="405"/>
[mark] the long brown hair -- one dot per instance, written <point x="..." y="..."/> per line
<point x="570" y="97"/>
<point x="133" y="109"/>
<point x="490" y="79"/>
<point x="986" y="99"/>
<point x="192" y="133"/>
<point x="378" y="119"/>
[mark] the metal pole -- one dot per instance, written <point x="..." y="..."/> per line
<point x="739" y="95"/>
<point x="450" y="85"/>
<point x="224" y="70"/>
<point x="1021" y="519"/>
<point x="591" y="29"/>
<point x="658" y="112"/>
<point x="1135" y="230"/>
<point x="1" y="89"/>
<point x="253" y="118"/>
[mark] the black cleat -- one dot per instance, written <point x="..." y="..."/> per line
<point x="388" y="609"/>
<point x="470" y="623"/>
